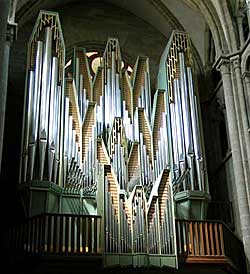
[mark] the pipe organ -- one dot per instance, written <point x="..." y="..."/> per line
<point x="182" y="116"/>
<point x="104" y="133"/>
<point x="43" y="110"/>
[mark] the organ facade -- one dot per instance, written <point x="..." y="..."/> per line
<point x="105" y="146"/>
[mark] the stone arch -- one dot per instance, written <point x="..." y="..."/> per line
<point x="245" y="60"/>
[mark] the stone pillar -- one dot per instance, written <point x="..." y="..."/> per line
<point x="240" y="184"/>
<point x="240" y="30"/>
<point x="246" y="79"/>
<point x="7" y="35"/>
<point x="248" y="12"/>
<point x="240" y="99"/>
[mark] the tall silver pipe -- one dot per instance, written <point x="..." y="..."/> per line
<point x="46" y="81"/>
<point x="113" y="82"/>
<point x="77" y="68"/>
<point x="179" y="120"/>
<point x="66" y="137"/>
<point x="174" y="138"/>
<point x="70" y="137"/>
<point x="147" y="103"/>
<point x="158" y="163"/>
<point x="28" y="123"/>
<point x="45" y="97"/>
<point x="52" y="115"/>
<point x="52" y="107"/>
<point x="165" y="133"/>
<point x="195" y="131"/>
<point x="57" y="130"/>
<point x="109" y="111"/>
<point x="159" y="160"/>
<point x="163" y="150"/>
<point x="80" y="96"/>
<point x="118" y="97"/>
<point x="93" y="145"/>
<point x="38" y="75"/>
<point x="74" y="150"/>
<point x="141" y="158"/>
<point x="136" y="126"/>
<point x="185" y="105"/>
<point x="84" y="105"/>
<point x="35" y="108"/>
<point x="106" y="214"/>
<point x="143" y="104"/>
<point x="194" y="115"/>
<point x="145" y="164"/>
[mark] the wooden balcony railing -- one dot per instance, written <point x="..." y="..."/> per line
<point x="209" y="242"/>
<point x="197" y="241"/>
<point x="57" y="233"/>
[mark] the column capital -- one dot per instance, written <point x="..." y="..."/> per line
<point x="236" y="61"/>
<point x="223" y="66"/>
<point x="11" y="32"/>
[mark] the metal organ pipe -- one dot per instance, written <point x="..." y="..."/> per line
<point x="179" y="121"/>
<point x="185" y="105"/>
<point x="77" y="78"/>
<point x="57" y="130"/>
<point x="52" y="115"/>
<point x="36" y="105"/>
<point x="28" y="123"/>
<point x="45" y="96"/>
<point x="80" y="97"/>
<point x="35" y="111"/>
<point x="195" y="130"/>
<point x="174" y="140"/>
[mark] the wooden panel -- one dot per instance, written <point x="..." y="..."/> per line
<point x="73" y="106"/>
<point x="84" y="70"/>
<point x="201" y="239"/>
<point x="158" y="121"/>
<point x="144" y="128"/>
<point x="216" y="235"/>
<point x="98" y="85"/>
<point x="196" y="235"/>
<point x="133" y="163"/>
<point x="191" y="238"/>
<point x="102" y="156"/>
<point x="163" y="193"/>
<point x="211" y="238"/>
<point x="127" y="93"/>
<point x="139" y="79"/>
<point x="89" y="121"/>
<point x="207" y="239"/>
<point x="221" y="239"/>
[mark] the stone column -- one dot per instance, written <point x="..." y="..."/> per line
<point x="246" y="79"/>
<point x="7" y="35"/>
<point x="248" y="12"/>
<point x="240" y="29"/>
<point x="240" y="99"/>
<point x="240" y="184"/>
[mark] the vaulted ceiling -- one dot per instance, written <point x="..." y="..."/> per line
<point x="166" y="15"/>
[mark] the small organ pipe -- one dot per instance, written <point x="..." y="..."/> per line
<point x="29" y="123"/>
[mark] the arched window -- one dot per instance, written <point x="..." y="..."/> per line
<point x="95" y="60"/>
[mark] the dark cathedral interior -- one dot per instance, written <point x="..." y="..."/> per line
<point x="125" y="136"/>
